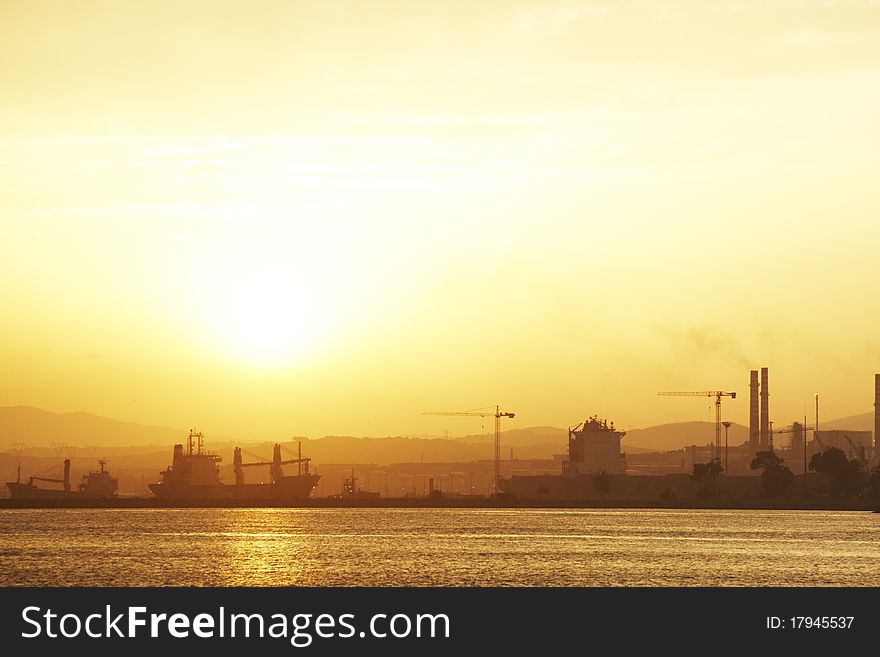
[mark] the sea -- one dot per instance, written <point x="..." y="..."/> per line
<point x="438" y="547"/>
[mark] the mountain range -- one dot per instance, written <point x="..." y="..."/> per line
<point x="45" y="431"/>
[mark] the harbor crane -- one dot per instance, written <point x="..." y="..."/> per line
<point x="497" y="414"/>
<point x="65" y="481"/>
<point x="717" y="394"/>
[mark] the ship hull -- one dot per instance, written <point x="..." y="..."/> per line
<point x="20" y="491"/>
<point x="287" y="488"/>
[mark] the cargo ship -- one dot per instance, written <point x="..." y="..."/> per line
<point x="94" y="485"/>
<point x="593" y="448"/>
<point x="194" y="475"/>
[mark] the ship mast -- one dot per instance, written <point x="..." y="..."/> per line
<point x="200" y="442"/>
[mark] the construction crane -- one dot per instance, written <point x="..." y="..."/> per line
<point x="717" y="394"/>
<point x="497" y="414"/>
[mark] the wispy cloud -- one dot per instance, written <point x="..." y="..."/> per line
<point x="704" y="341"/>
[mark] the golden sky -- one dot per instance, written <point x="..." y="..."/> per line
<point x="306" y="218"/>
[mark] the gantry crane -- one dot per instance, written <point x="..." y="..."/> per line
<point x="497" y="414"/>
<point x="717" y="394"/>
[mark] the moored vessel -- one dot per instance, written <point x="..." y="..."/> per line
<point x="594" y="464"/>
<point x="351" y="490"/>
<point x="194" y="475"/>
<point x="94" y="485"/>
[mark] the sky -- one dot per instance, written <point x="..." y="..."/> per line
<point x="324" y="218"/>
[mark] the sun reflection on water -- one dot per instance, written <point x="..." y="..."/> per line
<point x="439" y="547"/>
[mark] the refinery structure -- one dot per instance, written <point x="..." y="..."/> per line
<point x="595" y="455"/>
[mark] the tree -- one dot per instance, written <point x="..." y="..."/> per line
<point x="776" y="479"/>
<point x="764" y="460"/>
<point x="699" y="472"/>
<point x="601" y="483"/>
<point x="845" y="476"/>
<point x="705" y="474"/>
<point x="707" y="471"/>
<point x="872" y="485"/>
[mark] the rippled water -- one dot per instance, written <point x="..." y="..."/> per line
<point x="437" y="547"/>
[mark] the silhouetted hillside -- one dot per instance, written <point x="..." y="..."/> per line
<point x="518" y="437"/>
<point x="861" y="422"/>
<point x="679" y="434"/>
<point x="33" y="426"/>
<point x="661" y="437"/>
<point x="121" y="441"/>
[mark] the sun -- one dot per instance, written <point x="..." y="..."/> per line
<point x="262" y="306"/>
<point x="268" y="321"/>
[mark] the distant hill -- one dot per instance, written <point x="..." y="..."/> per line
<point x="34" y="426"/>
<point x="661" y="437"/>
<point x="861" y="422"/>
<point x="517" y="437"/>
<point x="39" y="429"/>
<point x="393" y="449"/>
<point x="676" y="435"/>
<point x="531" y="439"/>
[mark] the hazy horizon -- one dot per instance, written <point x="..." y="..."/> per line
<point x="326" y="218"/>
<point x="28" y="428"/>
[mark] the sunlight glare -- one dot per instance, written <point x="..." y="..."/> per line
<point x="263" y="304"/>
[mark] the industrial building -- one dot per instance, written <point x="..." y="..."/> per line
<point x="858" y="445"/>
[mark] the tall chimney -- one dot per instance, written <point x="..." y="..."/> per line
<point x="876" y="415"/>
<point x="753" y="412"/>
<point x="798" y="435"/>
<point x="765" y="413"/>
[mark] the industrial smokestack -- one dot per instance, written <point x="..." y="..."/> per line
<point x="753" y="412"/>
<point x="765" y="412"/>
<point x="876" y="414"/>
<point x="797" y="441"/>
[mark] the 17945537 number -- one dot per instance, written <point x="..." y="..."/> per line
<point x="810" y="622"/>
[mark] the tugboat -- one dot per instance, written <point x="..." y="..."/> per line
<point x="194" y="475"/>
<point x="351" y="491"/>
<point x="94" y="485"/>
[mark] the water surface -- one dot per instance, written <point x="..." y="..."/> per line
<point x="437" y="547"/>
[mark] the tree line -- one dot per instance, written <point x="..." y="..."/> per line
<point x="846" y="477"/>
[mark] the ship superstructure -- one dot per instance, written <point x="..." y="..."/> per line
<point x="594" y="463"/>
<point x="594" y="446"/>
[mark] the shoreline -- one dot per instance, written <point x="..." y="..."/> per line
<point x="744" y="504"/>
